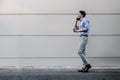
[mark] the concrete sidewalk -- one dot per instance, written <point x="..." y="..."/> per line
<point x="58" y="74"/>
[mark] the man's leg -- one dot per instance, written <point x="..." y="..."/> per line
<point x="82" y="54"/>
<point x="82" y="48"/>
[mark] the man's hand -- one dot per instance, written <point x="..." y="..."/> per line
<point x="75" y="30"/>
<point x="77" y="19"/>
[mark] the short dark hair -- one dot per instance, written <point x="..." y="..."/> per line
<point x="83" y="13"/>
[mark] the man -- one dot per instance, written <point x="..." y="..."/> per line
<point x="82" y="27"/>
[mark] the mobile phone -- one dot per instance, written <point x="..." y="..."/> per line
<point x="78" y="19"/>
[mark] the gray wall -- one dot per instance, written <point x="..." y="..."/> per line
<point x="39" y="32"/>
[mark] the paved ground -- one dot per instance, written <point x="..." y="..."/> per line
<point x="58" y="74"/>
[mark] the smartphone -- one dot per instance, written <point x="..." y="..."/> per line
<point x="78" y="19"/>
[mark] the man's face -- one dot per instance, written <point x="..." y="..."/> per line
<point x="79" y="15"/>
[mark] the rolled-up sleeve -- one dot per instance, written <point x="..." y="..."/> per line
<point x="77" y="28"/>
<point x="85" y="25"/>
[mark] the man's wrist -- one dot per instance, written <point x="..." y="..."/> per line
<point x="76" y="21"/>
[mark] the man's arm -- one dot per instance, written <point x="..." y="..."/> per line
<point x="86" y="24"/>
<point x="76" y="23"/>
<point x="74" y="30"/>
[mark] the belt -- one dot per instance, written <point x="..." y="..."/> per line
<point x="84" y="35"/>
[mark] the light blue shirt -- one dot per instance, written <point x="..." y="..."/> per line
<point x="83" y="24"/>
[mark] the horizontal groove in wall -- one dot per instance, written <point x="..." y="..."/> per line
<point x="107" y="67"/>
<point x="50" y="57"/>
<point x="57" y="13"/>
<point x="66" y="35"/>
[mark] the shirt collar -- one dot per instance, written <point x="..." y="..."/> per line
<point x="81" y="19"/>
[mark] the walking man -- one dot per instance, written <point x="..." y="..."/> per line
<point x="82" y="27"/>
